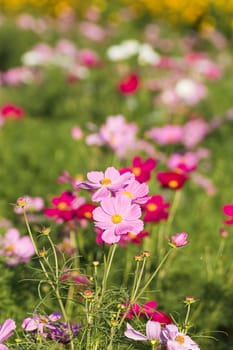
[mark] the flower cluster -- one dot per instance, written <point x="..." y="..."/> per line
<point x="50" y="327"/>
<point x="169" y="336"/>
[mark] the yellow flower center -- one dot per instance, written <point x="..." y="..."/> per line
<point x="106" y="181"/>
<point x="136" y="171"/>
<point x="173" y="183"/>
<point x="180" y="339"/>
<point x="151" y="207"/>
<point x="117" y="218"/>
<point x="62" y="206"/>
<point x="43" y="319"/>
<point x="88" y="215"/>
<point x="132" y="235"/>
<point x="10" y="248"/>
<point x="129" y="194"/>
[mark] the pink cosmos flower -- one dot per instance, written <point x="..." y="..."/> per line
<point x="190" y="91"/>
<point x="105" y="183"/>
<point x="203" y="65"/>
<point x="228" y="210"/>
<point x="116" y="217"/>
<point x="129" y="85"/>
<point x="66" y="47"/>
<point x="205" y="183"/>
<point x="141" y="169"/>
<point x="88" y="58"/>
<point x="187" y="162"/>
<point x="16" y="249"/>
<point x="168" y="134"/>
<point x="153" y="332"/>
<point x="179" y="240"/>
<point x="6" y="331"/>
<point x="33" y="204"/>
<point x="117" y="134"/>
<point x="38" y="323"/>
<point x="18" y="75"/>
<point x="92" y="31"/>
<point x="194" y="131"/>
<point x="175" y="340"/>
<point x="136" y="191"/>
<point x="76" y="133"/>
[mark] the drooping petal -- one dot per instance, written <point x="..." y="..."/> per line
<point x="108" y="236"/>
<point x="6" y="329"/>
<point x="133" y="334"/>
<point x="153" y="330"/>
<point x="3" y="347"/>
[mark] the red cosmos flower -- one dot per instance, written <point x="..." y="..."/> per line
<point x="148" y="310"/>
<point x="155" y="209"/>
<point x="129" y="84"/>
<point x="228" y="210"/>
<point x="132" y="238"/>
<point x="141" y="169"/>
<point x="64" y="207"/>
<point x="172" y="179"/>
<point x="85" y="211"/>
<point x="11" y="111"/>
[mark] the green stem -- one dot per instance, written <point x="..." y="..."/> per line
<point x="107" y="267"/>
<point x="54" y="287"/>
<point x="153" y="275"/>
<point x="138" y="281"/>
<point x="187" y="317"/>
<point x="173" y="210"/>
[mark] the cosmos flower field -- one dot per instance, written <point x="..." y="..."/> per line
<point x="116" y="201"/>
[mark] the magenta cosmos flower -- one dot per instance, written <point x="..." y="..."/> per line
<point x="175" y="340"/>
<point x="105" y="183"/>
<point x="6" y="330"/>
<point x="129" y="85"/>
<point x="64" y="207"/>
<point x="141" y="169"/>
<point x="228" y="210"/>
<point x="153" y="332"/>
<point x="149" y="311"/>
<point x="155" y="209"/>
<point x="117" y="216"/>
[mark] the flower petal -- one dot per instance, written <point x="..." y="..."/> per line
<point x="153" y="330"/>
<point x="133" y="334"/>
